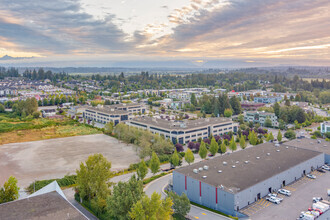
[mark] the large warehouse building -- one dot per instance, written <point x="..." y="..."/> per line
<point x="230" y="182"/>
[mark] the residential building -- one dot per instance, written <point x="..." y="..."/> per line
<point x="48" y="112"/>
<point x="186" y="130"/>
<point x="267" y="99"/>
<point x="325" y="127"/>
<point x="233" y="181"/>
<point x="260" y="117"/>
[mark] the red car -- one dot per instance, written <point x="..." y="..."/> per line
<point x="318" y="210"/>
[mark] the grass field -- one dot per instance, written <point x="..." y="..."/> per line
<point x="13" y="130"/>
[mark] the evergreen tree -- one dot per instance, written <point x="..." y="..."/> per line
<point x="279" y="136"/>
<point x="242" y="142"/>
<point x="232" y="144"/>
<point x="223" y="148"/>
<point x="189" y="156"/>
<point x="175" y="159"/>
<point x="202" y="150"/>
<point x="213" y="147"/>
<point x="235" y="105"/>
<point x="276" y="108"/>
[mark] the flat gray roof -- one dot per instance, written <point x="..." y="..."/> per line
<point x="107" y="110"/>
<point x="46" y="206"/>
<point x="182" y="125"/>
<point x="271" y="160"/>
<point x="319" y="145"/>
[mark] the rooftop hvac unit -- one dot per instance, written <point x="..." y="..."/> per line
<point x="233" y="166"/>
<point x="200" y="169"/>
<point x="324" y="145"/>
<point x="237" y="162"/>
<point x="268" y="154"/>
<point x="258" y="158"/>
<point x="195" y="170"/>
<point x="219" y="171"/>
<point x="319" y="141"/>
<point x="287" y="147"/>
<point x="278" y="150"/>
<point x="204" y="177"/>
<point x="277" y="145"/>
<point x="206" y="167"/>
<point x="221" y="186"/>
<point x="246" y="161"/>
<point x="224" y="163"/>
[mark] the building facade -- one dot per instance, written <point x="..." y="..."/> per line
<point x="325" y="127"/>
<point x="187" y="130"/>
<point x="104" y="115"/>
<point x="267" y="100"/>
<point x="233" y="181"/>
<point x="260" y="117"/>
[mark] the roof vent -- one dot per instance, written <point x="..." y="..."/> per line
<point x="268" y="154"/>
<point x="277" y="145"/>
<point x="200" y="169"/>
<point x="258" y="158"/>
<point x="319" y="141"/>
<point x="204" y="177"/>
<point x="233" y="166"/>
<point x="221" y="186"/>
<point x="246" y="161"/>
<point x="278" y="150"/>
<point x="219" y="171"/>
<point x="237" y="162"/>
<point x="195" y="170"/>
<point x="206" y="167"/>
<point x="287" y="147"/>
<point x="224" y="163"/>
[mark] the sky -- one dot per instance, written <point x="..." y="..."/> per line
<point x="103" y="32"/>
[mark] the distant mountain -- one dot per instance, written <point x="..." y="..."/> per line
<point x="6" y="57"/>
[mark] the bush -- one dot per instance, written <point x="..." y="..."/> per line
<point x="290" y="134"/>
<point x="65" y="181"/>
<point x="317" y="133"/>
<point x="148" y="180"/>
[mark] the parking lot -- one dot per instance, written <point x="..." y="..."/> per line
<point x="303" y="190"/>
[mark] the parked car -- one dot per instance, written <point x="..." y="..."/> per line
<point x="320" y="170"/>
<point x="325" y="167"/>
<point x="315" y="213"/>
<point x="306" y="216"/>
<point x="284" y="192"/>
<point x="318" y="210"/>
<point x="273" y="200"/>
<point x="317" y="199"/>
<point x="311" y="176"/>
<point x="323" y="207"/>
<point x="275" y="196"/>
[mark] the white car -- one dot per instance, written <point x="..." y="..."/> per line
<point x="275" y="196"/>
<point x="311" y="176"/>
<point x="325" y="167"/>
<point x="284" y="192"/>
<point x="273" y="200"/>
<point x="317" y="199"/>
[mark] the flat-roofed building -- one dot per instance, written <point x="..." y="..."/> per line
<point x="186" y="130"/>
<point x="104" y="114"/>
<point x="312" y="144"/>
<point x="130" y="107"/>
<point x="260" y="117"/>
<point x="231" y="182"/>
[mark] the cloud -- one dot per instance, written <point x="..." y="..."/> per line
<point x="6" y="57"/>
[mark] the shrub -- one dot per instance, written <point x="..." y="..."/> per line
<point x="179" y="147"/>
<point x="290" y="134"/>
<point x="65" y="181"/>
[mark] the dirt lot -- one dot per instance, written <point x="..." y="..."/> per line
<point x="55" y="158"/>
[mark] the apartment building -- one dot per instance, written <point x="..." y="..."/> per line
<point x="104" y="114"/>
<point x="260" y="117"/>
<point x="267" y="99"/>
<point x="186" y="130"/>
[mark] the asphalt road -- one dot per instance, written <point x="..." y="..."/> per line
<point x="195" y="212"/>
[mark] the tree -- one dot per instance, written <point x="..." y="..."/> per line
<point x="2" y="108"/>
<point x="175" y="159"/>
<point x="276" y="108"/>
<point x="93" y="177"/>
<point x="142" y="170"/>
<point x="289" y="134"/>
<point x="268" y="123"/>
<point x="228" y="113"/>
<point x="223" y="148"/>
<point x="108" y="128"/>
<point x="232" y="144"/>
<point x="189" y="156"/>
<point x="270" y="137"/>
<point x="193" y="99"/>
<point x="154" y="163"/>
<point x="279" y="136"/>
<point x="36" y="114"/>
<point x="181" y="204"/>
<point x="123" y="197"/>
<point x="287" y="102"/>
<point x="152" y="208"/>
<point x="9" y="191"/>
<point x="242" y="142"/>
<point x="253" y="138"/>
<point x="202" y="150"/>
<point x="214" y="147"/>
<point x="235" y="105"/>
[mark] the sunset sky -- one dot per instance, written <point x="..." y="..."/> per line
<point x="251" y="31"/>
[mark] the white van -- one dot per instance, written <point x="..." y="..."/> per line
<point x="323" y="207"/>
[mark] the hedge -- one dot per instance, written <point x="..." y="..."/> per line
<point x="65" y="181"/>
